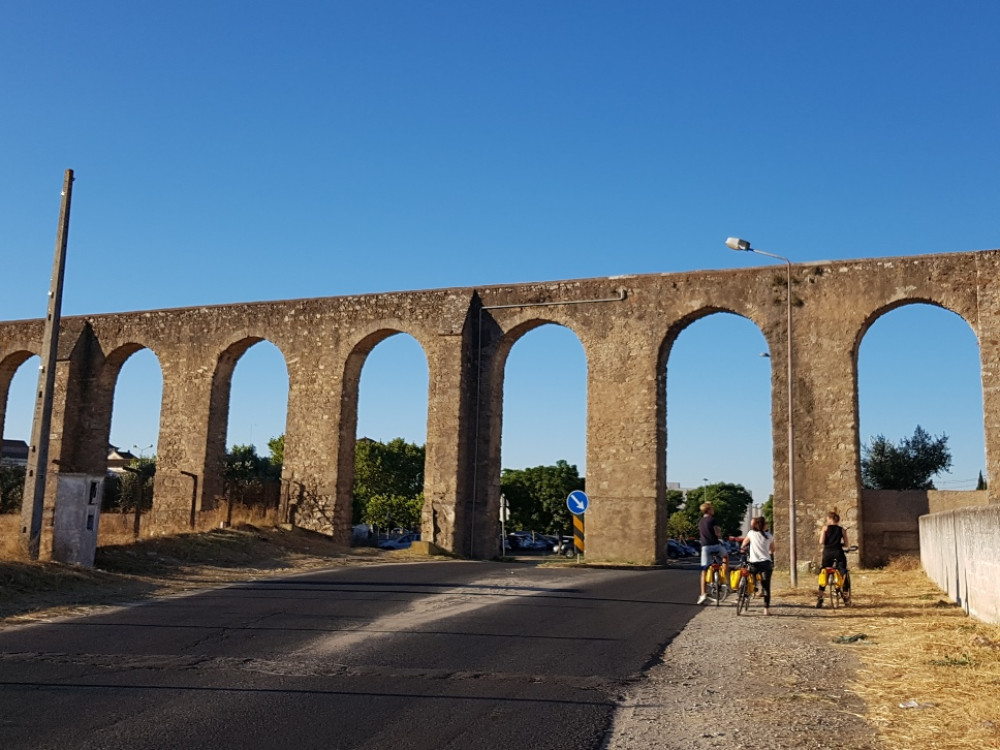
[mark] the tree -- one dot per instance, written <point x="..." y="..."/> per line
<point x="388" y="511"/>
<point x="11" y="488"/>
<point x="675" y="499"/>
<point x="393" y="469"/>
<point x="907" y="466"/>
<point x="767" y="510"/>
<point x="729" y="500"/>
<point x="245" y="474"/>
<point x="277" y="448"/>
<point x="121" y="490"/>
<point x="679" y="526"/>
<point x="981" y="483"/>
<point x="537" y="496"/>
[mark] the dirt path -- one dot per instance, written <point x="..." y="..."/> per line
<point x="746" y="682"/>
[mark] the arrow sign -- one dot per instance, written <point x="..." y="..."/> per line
<point x="578" y="502"/>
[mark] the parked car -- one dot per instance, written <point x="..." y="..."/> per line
<point x="402" y="542"/>
<point x="565" y="546"/>
<point x="675" y="549"/>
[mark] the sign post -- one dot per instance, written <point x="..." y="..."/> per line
<point x="578" y="502"/>
<point x="504" y="517"/>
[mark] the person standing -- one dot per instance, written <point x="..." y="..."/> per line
<point x="833" y="539"/>
<point x="760" y="543"/>
<point x="709" y="533"/>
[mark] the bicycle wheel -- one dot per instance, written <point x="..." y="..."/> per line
<point x="846" y="592"/>
<point x="716" y="586"/>
<point x="834" y="595"/>
<point x="742" y="596"/>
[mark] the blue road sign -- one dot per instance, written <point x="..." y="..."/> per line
<point x="578" y="502"/>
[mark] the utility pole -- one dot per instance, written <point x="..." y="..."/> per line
<point x="38" y="456"/>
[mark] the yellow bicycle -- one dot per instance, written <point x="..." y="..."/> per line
<point x="837" y="582"/>
<point x="745" y="583"/>
<point x="716" y="586"/>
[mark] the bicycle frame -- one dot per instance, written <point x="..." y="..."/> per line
<point x="746" y="586"/>
<point x="716" y="586"/>
<point x="837" y="581"/>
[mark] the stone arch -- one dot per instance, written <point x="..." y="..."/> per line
<point x="859" y="336"/>
<point x="490" y="405"/>
<point x="100" y="416"/>
<point x="770" y="376"/>
<point x="354" y="363"/>
<point x="218" y="414"/>
<point x="9" y="366"/>
<point x="886" y="520"/>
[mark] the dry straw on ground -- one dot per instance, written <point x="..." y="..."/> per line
<point x="930" y="674"/>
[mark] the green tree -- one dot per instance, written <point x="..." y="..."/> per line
<point x="393" y="469"/>
<point x="389" y="511"/>
<point x="729" y="500"/>
<point x="537" y="496"/>
<point x="122" y="490"/>
<point x="679" y="526"/>
<point x="767" y="510"/>
<point x="675" y="499"/>
<point x="11" y="488"/>
<point x="981" y="483"/>
<point x="910" y="465"/>
<point x="245" y="473"/>
<point x="277" y="447"/>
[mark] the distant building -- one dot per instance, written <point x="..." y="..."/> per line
<point x="117" y="459"/>
<point x="14" y="453"/>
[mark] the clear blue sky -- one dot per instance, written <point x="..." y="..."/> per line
<point x="237" y="151"/>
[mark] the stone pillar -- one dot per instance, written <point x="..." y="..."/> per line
<point x="826" y="329"/>
<point x="988" y="331"/>
<point x="319" y="435"/>
<point x="183" y="475"/>
<point x="450" y="520"/>
<point x="626" y="447"/>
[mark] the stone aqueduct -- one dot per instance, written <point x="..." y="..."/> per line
<point x="627" y="326"/>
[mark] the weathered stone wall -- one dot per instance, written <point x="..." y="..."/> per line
<point x="627" y="326"/>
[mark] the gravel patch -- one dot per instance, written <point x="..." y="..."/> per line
<point x="746" y="682"/>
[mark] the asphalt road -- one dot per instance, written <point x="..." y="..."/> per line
<point x="432" y="655"/>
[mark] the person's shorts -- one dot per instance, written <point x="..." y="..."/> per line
<point x="707" y="551"/>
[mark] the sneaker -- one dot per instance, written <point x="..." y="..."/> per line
<point x="766" y="613"/>
<point x="819" y="604"/>
<point x="702" y="599"/>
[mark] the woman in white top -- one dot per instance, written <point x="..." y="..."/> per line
<point x="761" y="545"/>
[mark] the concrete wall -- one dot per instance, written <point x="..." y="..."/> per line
<point x="891" y="519"/>
<point x="627" y="326"/>
<point x="959" y="551"/>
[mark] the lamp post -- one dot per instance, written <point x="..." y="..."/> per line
<point x="735" y="243"/>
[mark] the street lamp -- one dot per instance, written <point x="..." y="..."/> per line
<point x="735" y="243"/>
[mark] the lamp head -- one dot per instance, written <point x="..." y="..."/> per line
<point x="735" y="243"/>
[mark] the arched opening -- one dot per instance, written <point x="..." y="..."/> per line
<point x="719" y="426"/>
<point x="390" y="441"/>
<point x="918" y="364"/>
<point x="18" y="381"/>
<point x="132" y="442"/>
<point x="254" y="437"/>
<point x="543" y="444"/>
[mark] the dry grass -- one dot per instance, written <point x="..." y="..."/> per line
<point x="167" y="564"/>
<point x="922" y="651"/>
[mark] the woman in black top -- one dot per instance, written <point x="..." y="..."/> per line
<point x="833" y="539"/>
